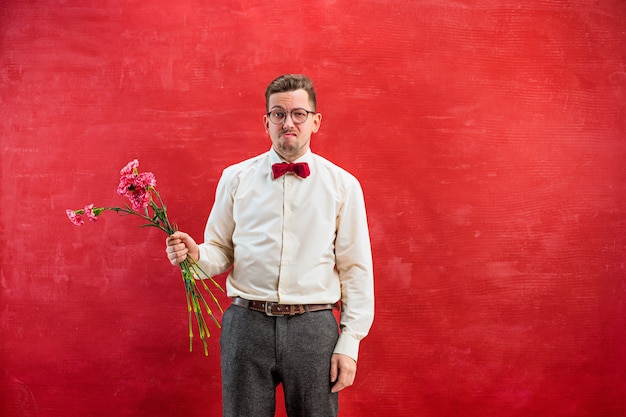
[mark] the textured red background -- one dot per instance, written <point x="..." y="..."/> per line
<point x="489" y="137"/>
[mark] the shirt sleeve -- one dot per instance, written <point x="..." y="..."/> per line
<point x="216" y="252"/>
<point x="354" y="263"/>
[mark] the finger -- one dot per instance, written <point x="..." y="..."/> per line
<point x="344" y="381"/>
<point x="178" y="251"/>
<point x="338" y="386"/>
<point x="177" y="237"/>
<point x="179" y="247"/>
<point x="177" y="259"/>
<point x="334" y="370"/>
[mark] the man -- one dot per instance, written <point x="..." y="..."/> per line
<point x="293" y="228"/>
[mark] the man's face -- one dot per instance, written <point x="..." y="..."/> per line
<point x="291" y="140"/>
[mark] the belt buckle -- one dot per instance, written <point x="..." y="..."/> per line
<point x="268" y="309"/>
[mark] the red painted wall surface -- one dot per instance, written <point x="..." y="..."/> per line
<point x="490" y="140"/>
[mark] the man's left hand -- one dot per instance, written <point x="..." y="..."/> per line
<point x="342" y="371"/>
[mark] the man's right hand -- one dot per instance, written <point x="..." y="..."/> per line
<point x="179" y="246"/>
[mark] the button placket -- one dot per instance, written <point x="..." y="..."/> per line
<point x="287" y="230"/>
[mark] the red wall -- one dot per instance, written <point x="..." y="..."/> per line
<point x="489" y="137"/>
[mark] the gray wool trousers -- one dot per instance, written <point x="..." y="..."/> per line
<point x="259" y="352"/>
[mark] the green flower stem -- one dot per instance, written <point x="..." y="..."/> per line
<point x="196" y="301"/>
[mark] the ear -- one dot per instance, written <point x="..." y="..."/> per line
<point x="317" y="121"/>
<point x="266" y="123"/>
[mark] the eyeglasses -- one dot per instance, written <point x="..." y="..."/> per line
<point x="298" y="116"/>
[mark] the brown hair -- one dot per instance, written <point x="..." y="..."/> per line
<point x="291" y="82"/>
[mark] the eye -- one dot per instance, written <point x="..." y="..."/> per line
<point x="299" y="114"/>
<point x="277" y="116"/>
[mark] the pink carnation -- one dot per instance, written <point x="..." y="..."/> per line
<point x="135" y="186"/>
<point x="74" y="217"/>
<point x="147" y="179"/>
<point x="130" y="168"/>
<point x="90" y="213"/>
<point x="139" y="200"/>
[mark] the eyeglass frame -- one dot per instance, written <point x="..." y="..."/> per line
<point x="290" y="112"/>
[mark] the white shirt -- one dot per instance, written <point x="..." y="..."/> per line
<point x="294" y="240"/>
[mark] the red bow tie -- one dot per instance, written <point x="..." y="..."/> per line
<point x="301" y="169"/>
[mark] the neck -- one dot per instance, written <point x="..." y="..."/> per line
<point x="289" y="157"/>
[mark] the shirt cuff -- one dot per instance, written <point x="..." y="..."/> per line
<point x="347" y="345"/>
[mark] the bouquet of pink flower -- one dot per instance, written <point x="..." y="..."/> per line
<point x="145" y="202"/>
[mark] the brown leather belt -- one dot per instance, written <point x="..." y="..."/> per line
<point x="274" y="309"/>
